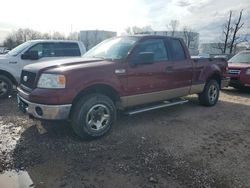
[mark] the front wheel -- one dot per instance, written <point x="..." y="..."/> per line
<point x="93" y="116"/>
<point x="210" y="94"/>
<point x="6" y="87"/>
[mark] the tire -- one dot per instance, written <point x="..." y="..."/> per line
<point x="210" y="94"/>
<point x="6" y="87"/>
<point x="93" y="116"/>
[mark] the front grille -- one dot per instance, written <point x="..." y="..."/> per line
<point x="235" y="82"/>
<point x="234" y="71"/>
<point x="28" y="79"/>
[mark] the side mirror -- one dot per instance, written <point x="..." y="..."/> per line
<point x="31" y="55"/>
<point x="146" y="58"/>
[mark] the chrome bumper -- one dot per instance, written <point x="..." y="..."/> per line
<point x="225" y="82"/>
<point x="46" y="112"/>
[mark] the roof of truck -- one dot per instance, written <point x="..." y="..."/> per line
<point x="53" y="40"/>
<point x="149" y="36"/>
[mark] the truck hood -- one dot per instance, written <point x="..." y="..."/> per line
<point x="4" y="58"/>
<point x="47" y="65"/>
<point x="238" y="65"/>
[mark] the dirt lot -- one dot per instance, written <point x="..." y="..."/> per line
<point x="182" y="146"/>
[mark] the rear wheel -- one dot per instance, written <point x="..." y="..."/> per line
<point x="210" y="94"/>
<point x="6" y="87"/>
<point x="93" y="116"/>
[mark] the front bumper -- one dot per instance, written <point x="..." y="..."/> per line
<point x="42" y="111"/>
<point x="225" y="82"/>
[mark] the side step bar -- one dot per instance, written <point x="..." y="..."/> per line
<point x="154" y="107"/>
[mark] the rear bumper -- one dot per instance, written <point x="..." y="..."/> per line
<point x="46" y="112"/>
<point x="225" y="82"/>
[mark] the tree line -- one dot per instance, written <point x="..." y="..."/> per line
<point x="22" y="35"/>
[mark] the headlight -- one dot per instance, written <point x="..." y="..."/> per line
<point x="248" y="71"/>
<point x="51" y="81"/>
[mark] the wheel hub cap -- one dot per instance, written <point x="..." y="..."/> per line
<point x="3" y="87"/>
<point x="213" y="93"/>
<point x="98" y="117"/>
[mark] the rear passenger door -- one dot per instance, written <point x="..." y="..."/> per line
<point x="182" y="65"/>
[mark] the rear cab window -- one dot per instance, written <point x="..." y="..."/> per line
<point x="66" y="49"/>
<point x="177" y="50"/>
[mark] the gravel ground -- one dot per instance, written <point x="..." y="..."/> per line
<point x="181" y="146"/>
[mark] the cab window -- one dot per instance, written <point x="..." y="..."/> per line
<point x="43" y="49"/>
<point x="155" y="46"/>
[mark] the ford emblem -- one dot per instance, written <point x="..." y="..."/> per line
<point x="25" y="78"/>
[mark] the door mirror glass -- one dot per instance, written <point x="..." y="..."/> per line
<point x="31" y="55"/>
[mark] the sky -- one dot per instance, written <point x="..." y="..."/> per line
<point x="204" y="16"/>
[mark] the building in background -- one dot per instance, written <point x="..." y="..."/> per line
<point x="90" y="38"/>
<point x="190" y="38"/>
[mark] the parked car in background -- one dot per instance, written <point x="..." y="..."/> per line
<point x="4" y="50"/>
<point x="131" y="73"/>
<point x="239" y="70"/>
<point x="34" y="51"/>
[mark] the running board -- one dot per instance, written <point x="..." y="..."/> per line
<point x="154" y="107"/>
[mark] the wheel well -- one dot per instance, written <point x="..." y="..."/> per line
<point x="8" y="75"/>
<point x="101" y="89"/>
<point x="216" y="77"/>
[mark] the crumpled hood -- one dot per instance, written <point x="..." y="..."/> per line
<point x="47" y="65"/>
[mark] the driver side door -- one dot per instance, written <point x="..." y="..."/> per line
<point x="147" y="82"/>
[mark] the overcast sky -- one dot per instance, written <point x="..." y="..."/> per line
<point x="204" y="16"/>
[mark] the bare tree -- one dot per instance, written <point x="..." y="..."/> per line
<point x="73" y="36"/>
<point x="219" y="46"/>
<point x="58" y="36"/>
<point x="238" y="26"/>
<point x="174" y="24"/>
<point x="226" y="32"/>
<point x="20" y="36"/>
<point x="138" y="30"/>
<point x="189" y="36"/>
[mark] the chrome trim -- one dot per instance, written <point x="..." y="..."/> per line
<point x="162" y="105"/>
<point x="50" y="112"/>
<point x="234" y="71"/>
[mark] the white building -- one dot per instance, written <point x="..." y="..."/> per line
<point x="91" y="38"/>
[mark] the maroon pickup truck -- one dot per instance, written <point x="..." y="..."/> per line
<point x="131" y="73"/>
<point x="239" y="70"/>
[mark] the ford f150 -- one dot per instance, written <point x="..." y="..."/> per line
<point x="130" y="73"/>
<point x="34" y="51"/>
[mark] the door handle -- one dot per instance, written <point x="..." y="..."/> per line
<point x="13" y="62"/>
<point x="169" y="69"/>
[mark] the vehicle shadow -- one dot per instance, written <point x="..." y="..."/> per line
<point x="59" y="158"/>
<point x="244" y="92"/>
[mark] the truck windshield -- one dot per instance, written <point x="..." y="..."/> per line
<point x="240" y="58"/>
<point x="115" y="48"/>
<point x="19" y="48"/>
